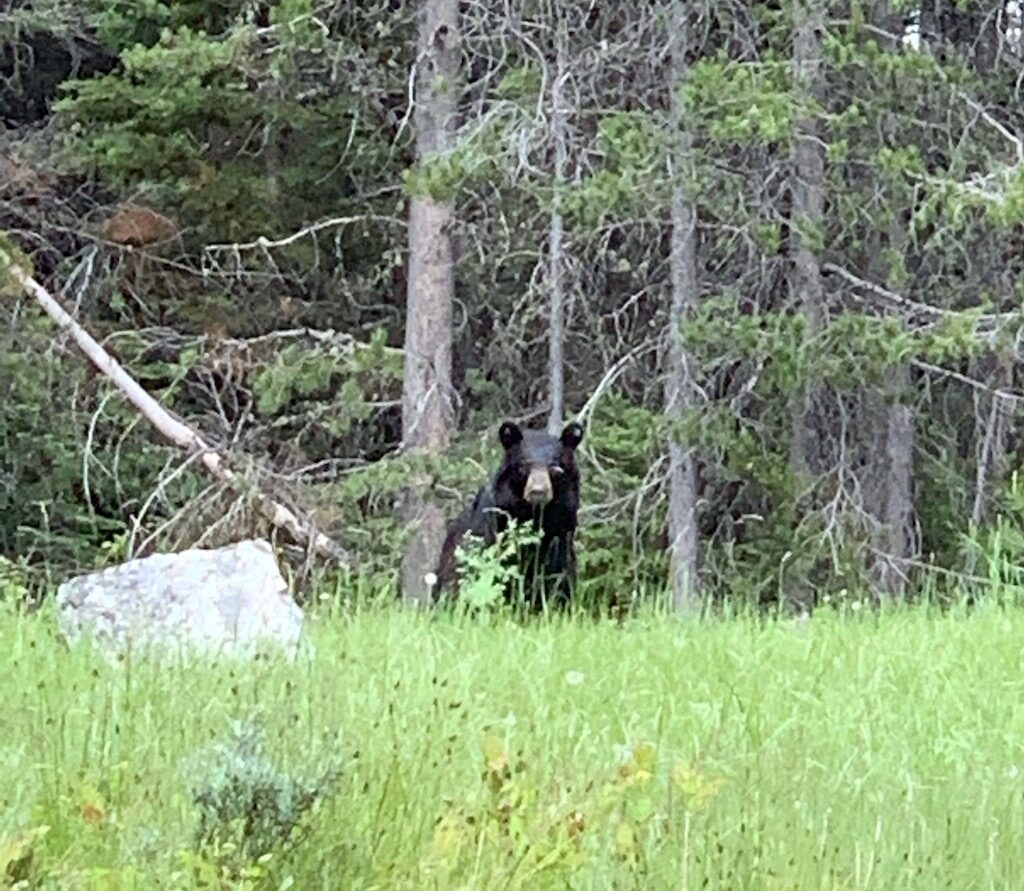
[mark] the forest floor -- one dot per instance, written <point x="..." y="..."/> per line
<point x="855" y="750"/>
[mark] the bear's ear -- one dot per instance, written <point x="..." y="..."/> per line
<point x="572" y="435"/>
<point x="510" y="435"/>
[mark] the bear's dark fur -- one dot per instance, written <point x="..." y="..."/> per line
<point x="537" y="483"/>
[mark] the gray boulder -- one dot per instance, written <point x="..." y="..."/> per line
<point x="227" y="601"/>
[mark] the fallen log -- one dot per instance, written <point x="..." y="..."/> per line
<point x="15" y="275"/>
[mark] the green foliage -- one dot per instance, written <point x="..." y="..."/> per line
<point x="953" y="337"/>
<point x="44" y="518"/>
<point x="997" y="549"/>
<point x="486" y="572"/>
<point x="631" y="146"/>
<point x="720" y="332"/>
<point x="11" y="255"/>
<point x="17" y="854"/>
<point x="853" y="350"/>
<point x="521" y="85"/>
<point x="343" y="382"/>
<point x="442" y="175"/>
<point x="898" y="162"/>
<point x="14" y="584"/>
<point x="603" y="194"/>
<point x="1005" y="205"/>
<point x="294" y="372"/>
<point x="372" y="491"/>
<point x="200" y="115"/>
<point x="242" y="120"/>
<point x="750" y="450"/>
<point x="734" y="101"/>
<point x="618" y="546"/>
<point x="126" y="23"/>
<point x="628" y="140"/>
<point x="249" y="809"/>
<point x="142" y="121"/>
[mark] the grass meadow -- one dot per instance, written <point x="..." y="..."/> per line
<point x="850" y="751"/>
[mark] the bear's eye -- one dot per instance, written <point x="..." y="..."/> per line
<point x="556" y="471"/>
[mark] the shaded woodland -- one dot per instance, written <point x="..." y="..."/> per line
<point x="769" y="253"/>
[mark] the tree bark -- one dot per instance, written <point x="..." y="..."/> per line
<point x="556" y="258"/>
<point x="427" y="412"/>
<point x="887" y="480"/>
<point x="892" y="471"/>
<point x="898" y="516"/>
<point x="174" y="430"/>
<point x="994" y="419"/>
<point x="808" y="193"/>
<point x="679" y="390"/>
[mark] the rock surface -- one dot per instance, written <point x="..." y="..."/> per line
<point x="224" y="600"/>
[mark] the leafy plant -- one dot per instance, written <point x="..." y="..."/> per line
<point x="489" y="571"/>
<point x="248" y="807"/>
<point x="17" y="856"/>
<point x="14" y="589"/>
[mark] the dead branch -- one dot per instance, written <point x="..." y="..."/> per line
<point x="264" y="243"/>
<point x="172" y="429"/>
<point x="912" y="307"/>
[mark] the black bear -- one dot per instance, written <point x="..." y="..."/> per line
<point x="537" y="483"/>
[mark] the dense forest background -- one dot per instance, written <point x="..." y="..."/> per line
<point x="769" y="252"/>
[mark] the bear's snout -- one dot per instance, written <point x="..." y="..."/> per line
<point x="538" y="491"/>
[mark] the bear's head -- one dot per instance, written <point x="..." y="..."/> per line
<point x="538" y="468"/>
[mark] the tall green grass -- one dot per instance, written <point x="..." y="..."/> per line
<point x="850" y="751"/>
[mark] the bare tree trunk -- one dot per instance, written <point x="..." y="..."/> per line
<point x="895" y="513"/>
<point x="887" y="480"/>
<point x="993" y="422"/>
<point x="426" y="396"/>
<point x="679" y="390"/>
<point x="171" y="428"/>
<point x="556" y="258"/>
<point x="808" y="191"/>
<point x="898" y="514"/>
